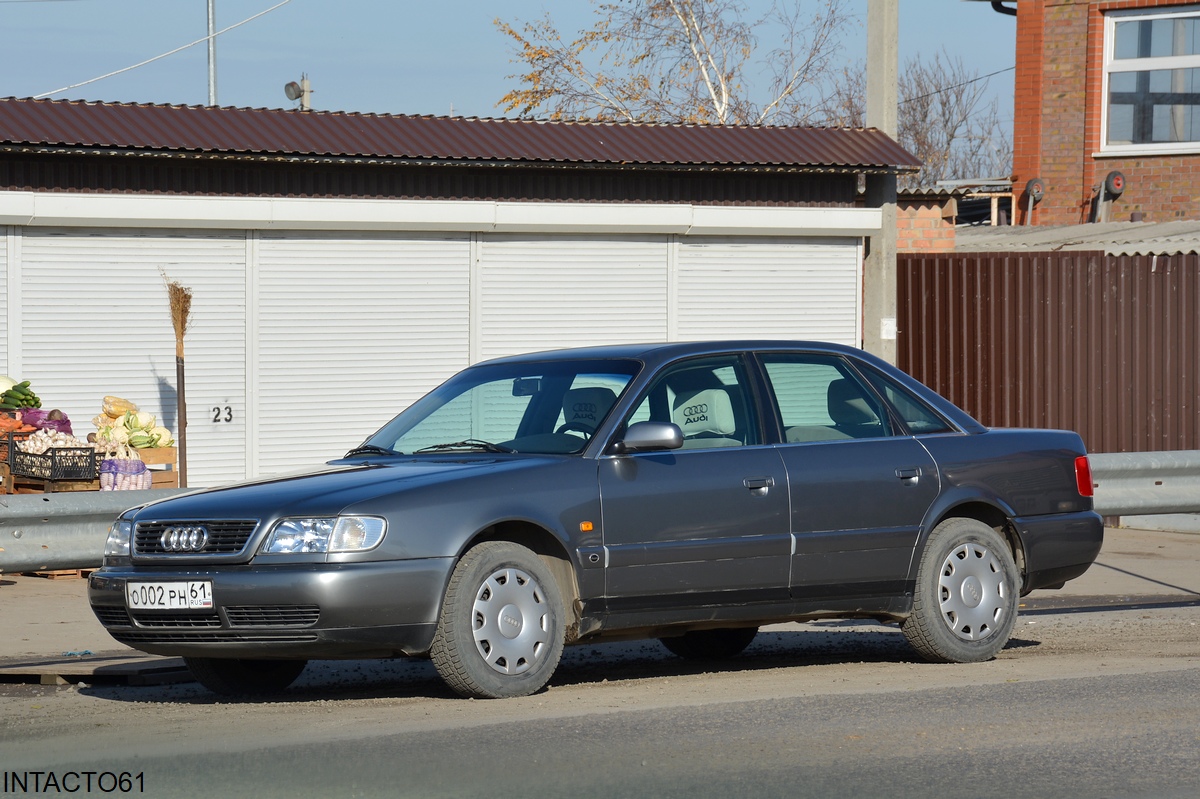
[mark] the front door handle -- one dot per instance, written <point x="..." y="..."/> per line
<point x="758" y="485"/>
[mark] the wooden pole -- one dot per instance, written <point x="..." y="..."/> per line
<point x="181" y="415"/>
<point x="181" y="308"/>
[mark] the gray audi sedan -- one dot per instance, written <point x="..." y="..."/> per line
<point x="689" y="492"/>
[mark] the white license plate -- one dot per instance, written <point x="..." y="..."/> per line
<point x="169" y="596"/>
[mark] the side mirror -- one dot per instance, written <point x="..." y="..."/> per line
<point x="649" y="437"/>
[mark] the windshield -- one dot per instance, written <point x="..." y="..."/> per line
<point x="549" y="407"/>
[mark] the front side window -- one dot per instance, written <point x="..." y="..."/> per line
<point x="707" y="398"/>
<point x="1152" y="80"/>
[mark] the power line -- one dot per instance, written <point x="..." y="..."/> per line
<point x="164" y="55"/>
<point x="957" y="85"/>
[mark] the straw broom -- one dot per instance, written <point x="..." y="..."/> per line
<point x="180" y="299"/>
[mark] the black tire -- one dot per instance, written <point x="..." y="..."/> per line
<point x="501" y="629"/>
<point x="232" y="677"/>
<point x="710" y="644"/>
<point x="965" y="599"/>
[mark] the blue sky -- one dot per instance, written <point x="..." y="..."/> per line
<point x="384" y="56"/>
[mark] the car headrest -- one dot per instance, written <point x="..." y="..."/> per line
<point x="586" y="407"/>
<point x="705" y="411"/>
<point x="848" y="406"/>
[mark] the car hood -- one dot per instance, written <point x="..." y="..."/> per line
<point x="333" y="489"/>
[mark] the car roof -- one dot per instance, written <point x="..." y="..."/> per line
<point x="654" y="353"/>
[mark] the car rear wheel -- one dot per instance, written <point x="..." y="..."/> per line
<point x="965" y="599"/>
<point x="234" y="677"/>
<point x="710" y="644"/>
<point x="501" y="628"/>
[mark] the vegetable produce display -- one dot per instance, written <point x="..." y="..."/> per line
<point x="43" y="445"/>
<point x="122" y="423"/>
<point x="124" y="471"/>
<point x="50" y="420"/>
<point x="43" y="441"/>
<point x="10" y="424"/>
<point x="18" y="395"/>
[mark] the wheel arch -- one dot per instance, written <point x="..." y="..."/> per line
<point x="990" y="514"/>
<point x="552" y="552"/>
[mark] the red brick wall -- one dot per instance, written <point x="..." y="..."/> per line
<point x="1027" y="99"/>
<point x="920" y="227"/>
<point x="1058" y="105"/>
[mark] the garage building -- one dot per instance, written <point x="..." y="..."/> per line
<point x="343" y="264"/>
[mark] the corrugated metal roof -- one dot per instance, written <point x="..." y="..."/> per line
<point x="258" y="131"/>
<point x="1112" y="238"/>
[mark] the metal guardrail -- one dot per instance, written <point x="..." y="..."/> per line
<point x="43" y="532"/>
<point x="1146" y="483"/>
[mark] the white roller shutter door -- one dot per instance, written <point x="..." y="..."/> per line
<point x="772" y="288"/>
<point x="95" y="320"/>
<point x="346" y="329"/>
<point x="540" y="292"/>
<point x="8" y="238"/>
<point x="352" y="328"/>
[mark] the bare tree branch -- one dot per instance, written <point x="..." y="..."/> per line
<point x="944" y="119"/>
<point x="679" y="61"/>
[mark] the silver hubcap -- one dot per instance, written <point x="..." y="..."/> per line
<point x="510" y="621"/>
<point x="972" y="592"/>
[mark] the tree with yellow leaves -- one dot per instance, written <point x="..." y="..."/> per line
<point x="692" y="61"/>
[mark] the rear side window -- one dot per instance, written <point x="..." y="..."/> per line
<point x="820" y="399"/>
<point x="919" y="417"/>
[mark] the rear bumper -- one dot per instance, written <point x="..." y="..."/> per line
<point x="309" y="611"/>
<point x="1059" y="547"/>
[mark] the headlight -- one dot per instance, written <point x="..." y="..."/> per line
<point x="334" y="534"/>
<point x="116" y="547"/>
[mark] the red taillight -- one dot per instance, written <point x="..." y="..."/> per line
<point x="1083" y="476"/>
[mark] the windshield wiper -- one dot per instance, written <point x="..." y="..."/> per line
<point x="370" y="449"/>
<point x="470" y="443"/>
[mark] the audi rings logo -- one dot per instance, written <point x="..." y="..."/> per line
<point x="584" y="410"/>
<point x="693" y="414"/>
<point x="184" y="539"/>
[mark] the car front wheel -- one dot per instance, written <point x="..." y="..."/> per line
<point x="501" y="628"/>
<point x="965" y="599"/>
<point x="237" y="677"/>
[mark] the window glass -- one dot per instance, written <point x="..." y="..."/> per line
<point x="820" y="399"/>
<point x="918" y="416"/>
<point x="707" y="398"/>
<point x="550" y="407"/>
<point x="588" y="401"/>
<point x="1152" y="101"/>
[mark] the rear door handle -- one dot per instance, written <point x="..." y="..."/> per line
<point x="908" y="474"/>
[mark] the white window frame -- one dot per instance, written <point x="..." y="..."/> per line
<point x="1113" y="66"/>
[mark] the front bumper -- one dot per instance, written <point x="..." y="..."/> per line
<point x="295" y="611"/>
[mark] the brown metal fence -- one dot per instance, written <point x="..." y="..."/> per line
<point x="1108" y="346"/>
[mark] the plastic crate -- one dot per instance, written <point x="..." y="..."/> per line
<point x="8" y="443"/>
<point x="60" y="463"/>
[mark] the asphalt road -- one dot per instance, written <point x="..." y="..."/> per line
<point x="1083" y="703"/>
<point x="1097" y="695"/>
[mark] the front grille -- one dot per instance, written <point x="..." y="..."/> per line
<point x="111" y="616"/>
<point x="176" y="619"/>
<point x="272" y="615"/>
<point x="225" y="537"/>
<point x="219" y="637"/>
